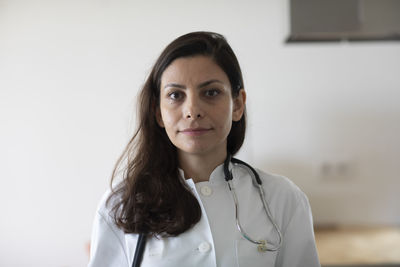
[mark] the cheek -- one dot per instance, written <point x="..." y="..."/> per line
<point x="228" y="124"/>
<point x="168" y="117"/>
<point x="224" y="116"/>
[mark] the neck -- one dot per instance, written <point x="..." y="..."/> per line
<point x="198" y="166"/>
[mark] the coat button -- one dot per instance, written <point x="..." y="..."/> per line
<point x="206" y="190"/>
<point x="204" y="247"/>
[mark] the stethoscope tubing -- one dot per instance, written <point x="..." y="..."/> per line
<point x="140" y="245"/>
<point x="263" y="245"/>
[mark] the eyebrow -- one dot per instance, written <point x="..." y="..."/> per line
<point x="203" y="84"/>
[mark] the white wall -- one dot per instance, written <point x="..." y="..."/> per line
<point x="69" y="72"/>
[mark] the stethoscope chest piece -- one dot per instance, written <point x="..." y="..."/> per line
<point x="262" y="247"/>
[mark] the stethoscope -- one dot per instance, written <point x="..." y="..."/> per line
<point x="262" y="245"/>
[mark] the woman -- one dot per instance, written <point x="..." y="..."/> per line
<point x="174" y="190"/>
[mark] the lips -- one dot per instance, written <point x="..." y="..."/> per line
<point x="195" y="131"/>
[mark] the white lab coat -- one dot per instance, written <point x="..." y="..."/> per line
<point x="215" y="239"/>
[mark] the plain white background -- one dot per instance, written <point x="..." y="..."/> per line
<point x="326" y="115"/>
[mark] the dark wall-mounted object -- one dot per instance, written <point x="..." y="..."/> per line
<point x="344" y="20"/>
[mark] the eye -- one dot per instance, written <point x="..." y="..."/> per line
<point x="212" y="92"/>
<point x="175" y="95"/>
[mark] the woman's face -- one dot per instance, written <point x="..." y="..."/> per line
<point x="196" y="106"/>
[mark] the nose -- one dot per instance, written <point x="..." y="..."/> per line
<point x="190" y="116"/>
<point x="193" y="109"/>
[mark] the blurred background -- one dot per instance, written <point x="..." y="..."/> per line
<point x="325" y="114"/>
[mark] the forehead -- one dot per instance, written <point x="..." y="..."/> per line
<point x="193" y="70"/>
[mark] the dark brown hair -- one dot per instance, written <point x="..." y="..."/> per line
<point x="152" y="197"/>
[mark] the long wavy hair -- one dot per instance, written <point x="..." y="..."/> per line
<point x="152" y="197"/>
